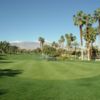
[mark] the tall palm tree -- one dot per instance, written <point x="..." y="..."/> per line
<point x="42" y="40"/>
<point x="89" y="20"/>
<point x="90" y="39"/>
<point x="79" y="21"/>
<point x="97" y="17"/>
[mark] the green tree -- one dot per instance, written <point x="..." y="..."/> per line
<point x="89" y="20"/>
<point x="79" y="21"/>
<point x="75" y="45"/>
<point x="6" y="47"/>
<point x="92" y="35"/>
<point x="90" y="38"/>
<point x="69" y="39"/>
<point x="49" y="50"/>
<point x="13" y="49"/>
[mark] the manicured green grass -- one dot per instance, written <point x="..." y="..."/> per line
<point x="27" y="77"/>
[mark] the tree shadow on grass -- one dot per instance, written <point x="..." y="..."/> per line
<point x="3" y="91"/>
<point x="6" y="61"/>
<point x="2" y="57"/>
<point x="9" y="72"/>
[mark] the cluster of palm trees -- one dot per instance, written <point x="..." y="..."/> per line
<point x="70" y="39"/>
<point x="70" y="42"/>
<point x="87" y="31"/>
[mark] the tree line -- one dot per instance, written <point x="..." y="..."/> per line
<point x="7" y="48"/>
<point x="58" y="49"/>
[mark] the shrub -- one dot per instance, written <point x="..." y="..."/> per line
<point x="60" y="52"/>
<point x="38" y="50"/>
<point x="51" y="58"/>
<point x="50" y="51"/>
<point x="63" y="57"/>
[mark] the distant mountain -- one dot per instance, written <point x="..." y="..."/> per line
<point x="26" y="45"/>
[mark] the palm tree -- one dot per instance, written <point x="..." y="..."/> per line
<point x="54" y="44"/>
<point x="79" y="21"/>
<point x="97" y="17"/>
<point x="42" y="40"/>
<point x="69" y="39"/>
<point x="89" y="20"/>
<point x="59" y="41"/>
<point x="90" y="39"/>
<point x="62" y="41"/>
<point x="73" y="38"/>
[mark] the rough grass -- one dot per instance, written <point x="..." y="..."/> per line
<point x="27" y="77"/>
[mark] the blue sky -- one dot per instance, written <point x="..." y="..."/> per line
<point x="26" y="20"/>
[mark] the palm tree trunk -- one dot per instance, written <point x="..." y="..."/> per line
<point x="81" y="41"/>
<point x="82" y="53"/>
<point x="75" y="52"/>
<point x="88" y="53"/>
<point x="81" y="33"/>
<point x="99" y="26"/>
<point x="88" y="44"/>
<point x="91" y="52"/>
<point x="88" y="38"/>
<point x="42" y="48"/>
<point x="99" y="32"/>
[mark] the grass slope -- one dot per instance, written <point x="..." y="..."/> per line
<point x="27" y="77"/>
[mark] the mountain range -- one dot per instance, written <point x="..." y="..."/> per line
<point x="26" y="45"/>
